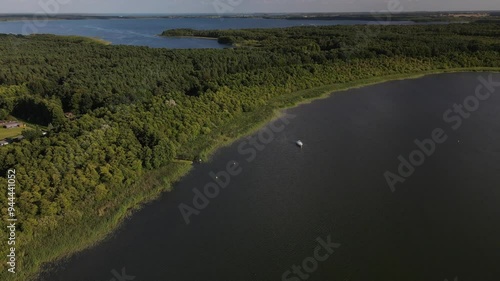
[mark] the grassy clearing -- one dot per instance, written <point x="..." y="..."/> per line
<point x="10" y="133"/>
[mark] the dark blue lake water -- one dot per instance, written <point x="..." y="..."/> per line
<point x="144" y="32"/>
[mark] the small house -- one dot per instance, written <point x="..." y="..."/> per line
<point x="3" y="143"/>
<point x="11" y="125"/>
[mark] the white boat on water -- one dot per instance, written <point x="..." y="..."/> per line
<point x="299" y="143"/>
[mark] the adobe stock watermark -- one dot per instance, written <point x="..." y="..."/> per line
<point x="309" y="265"/>
<point x="453" y="116"/>
<point x="248" y="148"/>
<point x="41" y="17"/>
<point x="222" y="7"/>
<point x="121" y="276"/>
<point x="12" y="225"/>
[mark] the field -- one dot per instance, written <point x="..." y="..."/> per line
<point x="9" y="133"/>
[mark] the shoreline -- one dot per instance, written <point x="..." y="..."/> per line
<point x="164" y="179"/>
<point x="328" y="90"/>
<point x="194" y="37"/>
<point x="86" y="39"/>
<point x="100" y="41"/>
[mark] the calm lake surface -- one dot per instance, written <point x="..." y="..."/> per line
<point x="143" y="32"/>
<point x="442" y="222"/>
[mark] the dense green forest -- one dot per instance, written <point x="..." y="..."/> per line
<point x="361" y="41"/>
<point x="140" y="113"/>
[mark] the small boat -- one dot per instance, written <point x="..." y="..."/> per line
<point x="299" y="143"/>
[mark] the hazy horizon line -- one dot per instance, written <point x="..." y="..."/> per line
<point x="251" y="13"/>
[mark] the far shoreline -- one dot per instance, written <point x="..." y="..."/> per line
<point x="187" y="37"/>
<point x="414" y="16"/>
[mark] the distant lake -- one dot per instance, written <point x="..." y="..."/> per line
<point x="441" y="223"/>
<point x="143" y="32"/>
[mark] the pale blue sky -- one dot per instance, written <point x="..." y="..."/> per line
<point x="239" y="6"/>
